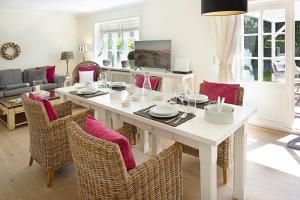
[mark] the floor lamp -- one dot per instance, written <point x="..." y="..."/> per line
<point x="67" y="55"/>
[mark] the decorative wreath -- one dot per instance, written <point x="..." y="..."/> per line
<point x="10" y="45"/>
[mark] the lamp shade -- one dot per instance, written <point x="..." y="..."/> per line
<point x="223" y="7"/>
<point x="83" y="48"/>
<point x="67" y="55"/>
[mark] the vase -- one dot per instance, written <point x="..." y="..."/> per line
<point x="147" y="84"/>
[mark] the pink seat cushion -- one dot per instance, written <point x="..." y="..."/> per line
<point x="153" y="81"/>
<point x="98" y="130"/>
<point x="89" y="68"/>
<point x="228" y="91"/>
<point x="52" y="114"/>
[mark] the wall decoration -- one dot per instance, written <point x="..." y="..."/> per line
<point x="8" y="45"/>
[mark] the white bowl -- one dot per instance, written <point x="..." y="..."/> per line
<point x="224" y="117"/>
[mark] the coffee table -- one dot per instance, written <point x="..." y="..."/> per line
<point x="12" y="112"/>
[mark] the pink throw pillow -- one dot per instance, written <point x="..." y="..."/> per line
<point x="51" y="112"/>
<point x="89" y="68"/>
<point x="228" y="91"/>
<point x="153" y="81"/>
<point x="50" y="74"/>
<point x="98" y="130"/>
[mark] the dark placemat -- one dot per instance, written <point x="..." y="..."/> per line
<point x="145" y="113"/>
<point x="99" y="93"/>
<point x="198" y="105"/>
<point x="118" y="88"/>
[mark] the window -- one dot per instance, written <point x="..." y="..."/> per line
<point x="264" y="46"/>
<point x="117" y="39"/>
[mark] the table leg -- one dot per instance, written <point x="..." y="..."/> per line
<point x="155" y="148"/>
<point x="208" y="172"/>
<point x="11" y="121"/>
<point x="63" y="98"/>
<point x="144" y="141"/>
<point x="240" y="164"/>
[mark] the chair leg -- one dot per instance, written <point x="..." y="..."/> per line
<point x="30" y="160"/>
<point x="225" y="174"/>
<point x="50" y="176"/>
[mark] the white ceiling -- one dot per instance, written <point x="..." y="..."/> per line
<point x="69" y="6"/>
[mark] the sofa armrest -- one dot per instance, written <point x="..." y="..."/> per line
<point x="59" y="79"/>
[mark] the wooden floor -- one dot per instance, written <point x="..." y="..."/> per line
<point x="20" y="182"/>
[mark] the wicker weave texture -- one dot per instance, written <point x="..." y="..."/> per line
<point x="49" y="144"/>
<point x="101" y="172"/>
<point x="75" y="73"/>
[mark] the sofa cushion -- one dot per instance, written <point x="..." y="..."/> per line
<point x="17" y="91"/>
<point x="50" y="73"/>
<point x="98" y="130"/>
<point x="48" y="86"/>
<point x="51" y="112"/>
<point x="15" y="86"/>
<point x="35" y="74"/>
<point x="10" y="77"/>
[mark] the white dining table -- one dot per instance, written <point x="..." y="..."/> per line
<point x="196" y="132"/>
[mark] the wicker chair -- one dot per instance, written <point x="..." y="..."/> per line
<point x="225" y="149"/>
<point x="75" y="73"/>
<point x="101" y="172"/>
<point x="49" y="145"/>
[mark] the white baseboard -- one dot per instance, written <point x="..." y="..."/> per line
<point x="272" y="125"/>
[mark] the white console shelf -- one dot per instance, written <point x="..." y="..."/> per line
<point x="171" y="81"/>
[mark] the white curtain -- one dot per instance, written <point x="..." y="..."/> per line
<point x="226" y="33"/>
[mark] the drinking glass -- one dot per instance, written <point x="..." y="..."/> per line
<point x="37" y="85"/>
<point x="103" y="79"/>
<point x="173" y="99"/>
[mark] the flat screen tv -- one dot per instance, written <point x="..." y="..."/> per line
<point x="153" y="54"/>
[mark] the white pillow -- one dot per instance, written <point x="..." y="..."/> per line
<point x="86" y="76"/>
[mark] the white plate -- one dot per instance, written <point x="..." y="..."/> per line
<point x="118" y="84"/>
<point x="199" y="98"/>
<point x="160" y="116"/>
<point x="164" y="111"/>
<point x="86" y="91"/>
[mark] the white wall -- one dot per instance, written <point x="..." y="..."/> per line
<point x="42" y="37"/>
<point x="177" y="20"/>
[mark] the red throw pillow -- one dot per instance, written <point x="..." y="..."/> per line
<point x="98" y="130"/>
<point x="89" y="68"/>
<point x="50" y="74"/>
<point x="52" y="114"/>
<point x="228" y="91"/>
<point x="153" y="81"/>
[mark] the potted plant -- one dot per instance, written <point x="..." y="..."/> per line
<point x="130" y="57"/>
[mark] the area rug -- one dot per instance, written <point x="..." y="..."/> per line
<point x="294" y="144"/>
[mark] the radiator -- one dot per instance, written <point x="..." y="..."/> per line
<point x="117" y="76"/>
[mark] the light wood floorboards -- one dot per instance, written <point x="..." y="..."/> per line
<point x="18" y="181"/>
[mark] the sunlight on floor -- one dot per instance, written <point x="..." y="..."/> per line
<point x="251" y="140"/>
<point x="277" y="157"/>
<point x="288" y="138"/>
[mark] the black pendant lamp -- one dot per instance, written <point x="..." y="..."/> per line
<point x="223" y="7"/>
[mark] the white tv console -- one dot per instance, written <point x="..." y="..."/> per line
<point x="171" y="81"/>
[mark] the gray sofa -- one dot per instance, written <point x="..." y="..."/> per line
<point x="15" y="82"/>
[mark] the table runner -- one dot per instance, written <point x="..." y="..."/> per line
<point x="145" y="113"/>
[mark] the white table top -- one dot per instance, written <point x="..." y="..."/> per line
<point x="196" y="129"/>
